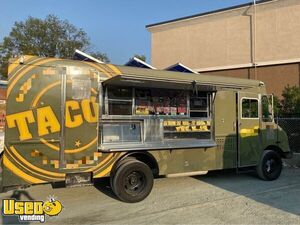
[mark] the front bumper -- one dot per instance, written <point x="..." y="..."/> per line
<point x="288" y="155"/>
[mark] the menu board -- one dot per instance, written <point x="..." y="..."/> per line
<point x="160" y="102"/>
<point x="186" y="125"/>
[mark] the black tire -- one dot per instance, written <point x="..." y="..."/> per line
<point x="270" y="165"/>
<point x="132" y="181"/>
<point x="115" y="168"/>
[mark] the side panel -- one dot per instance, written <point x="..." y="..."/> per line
<point x="80" y="134"/>
<point x="185" y="160"/>
<point x="224" y="155"/>
<point x="33" y="123"/>
<point x="225" y="129"/>
<point x="49" y="134"/>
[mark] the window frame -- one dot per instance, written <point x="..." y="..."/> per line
<point x="271" y="103"/>
<point x="107" y="100"/>
<point x="208" y="110"/>
<point x="119" y="122"/>
<point x="241" y="107"/>
<point x="133" y="100"/>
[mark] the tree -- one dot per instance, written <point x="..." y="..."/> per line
<point x="49" y="37"/>
<point x="3" y="62"/>
<point x="277" y="106"/>
<point x="141" y="57"/>
<point x="291" y="101"/>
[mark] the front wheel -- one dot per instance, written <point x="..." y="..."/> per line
<point x="270" y="165"/>
<point x="132" y="181"/>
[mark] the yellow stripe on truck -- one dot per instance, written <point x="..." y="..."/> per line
<point x="9" y="165"/>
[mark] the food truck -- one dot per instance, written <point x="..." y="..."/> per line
<point x="74" y="121"/>
<point x="3" y="85"/>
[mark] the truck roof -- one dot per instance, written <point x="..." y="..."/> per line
<point x="149" y="77"/>
<point x="126" y="75"/>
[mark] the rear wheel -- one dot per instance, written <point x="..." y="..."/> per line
<point x="270" y="165"/>
<point x="132" y="181"/>
<point x="116" y="167"/>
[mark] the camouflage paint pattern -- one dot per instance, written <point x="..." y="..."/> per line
<point x="33" y="128"/>
<point x="33" y="134"/>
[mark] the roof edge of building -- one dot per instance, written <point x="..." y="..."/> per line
<point x="248" y="65"/>
<point x="206" y="13"/>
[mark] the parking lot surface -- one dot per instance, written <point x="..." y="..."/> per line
<point x="220" y="197"/>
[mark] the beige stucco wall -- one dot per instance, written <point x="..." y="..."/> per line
<point x="275" y="77"/>
<point x="225" y="38"/>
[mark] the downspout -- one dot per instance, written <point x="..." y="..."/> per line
<point x="254" y="40"/>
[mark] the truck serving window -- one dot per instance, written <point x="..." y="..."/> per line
<point x="198" y="126"/>
<point x="119" y="100"/>
<point x="200" y="104"/>
<point x="160" y="102"/>
<point x="249" y="108"/>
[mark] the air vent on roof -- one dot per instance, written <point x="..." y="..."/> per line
<point x="136" y="62"/>
<point x="79" y="55"/>
<point x="178" y="67"/>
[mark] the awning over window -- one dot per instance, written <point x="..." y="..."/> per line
<point x="131" y="76"/>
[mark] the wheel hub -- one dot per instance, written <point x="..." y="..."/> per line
<point x="133" y="179"/>
<point x="270" y="165"/>
<point x="134" y="182"/>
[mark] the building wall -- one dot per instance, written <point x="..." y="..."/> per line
<point x="275" y="77"/>
<point x="226" y="39"/>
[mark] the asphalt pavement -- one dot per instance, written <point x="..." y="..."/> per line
<point x="220" y="197"/>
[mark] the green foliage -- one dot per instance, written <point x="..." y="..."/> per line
<point x="277" y="106"/>
<point x="3" y="62"/>
<point x="141" y="57"/>
<point x="49" y="37"/>
<point x="291" y="101"/>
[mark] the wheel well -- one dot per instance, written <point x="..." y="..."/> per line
<point x="276" y="149"/>
<point x="146" y="158"/>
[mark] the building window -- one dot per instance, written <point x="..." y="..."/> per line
<point x="249" y="108"/>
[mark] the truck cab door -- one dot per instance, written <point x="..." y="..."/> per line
<point x="248" y="129"/>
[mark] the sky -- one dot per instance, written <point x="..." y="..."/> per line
<point x="115" y="27"/>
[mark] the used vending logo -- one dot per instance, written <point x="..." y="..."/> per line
<point x="28" y="211"/>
